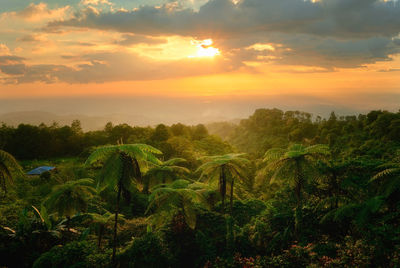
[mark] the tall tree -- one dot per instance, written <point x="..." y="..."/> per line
<point x="295" y="164"/>
<point x="225" y="168"/>
<point x="121" y="169"/>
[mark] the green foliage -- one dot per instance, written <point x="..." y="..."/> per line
<point x="296" y="164"/>
<point x="165" y="171"/>
<point x="74" y="254"/>
<point x="139" y="151"/>
<point x="244" y="211"/>
<point x="121" y="170"/>
<point x="32" y="235"/>
<point x="389" y="177"/>
<point x="145" y="251"/>
<point x="224" y="169"/>
<point x="69" y="198"/>
<point x="8" y="167"/>
<point x="178" y="197"/>
<point x="308" y="205"/>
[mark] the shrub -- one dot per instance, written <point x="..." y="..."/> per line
<point x="74" y="254"/>
<point x="146" y="251"/>
<point x="243" y="211"/>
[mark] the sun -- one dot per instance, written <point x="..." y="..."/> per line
<point x="204" y="49"/>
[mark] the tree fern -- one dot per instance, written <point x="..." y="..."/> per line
<point x="164" y="171"/>
<point x="69" y="198"/>
<point x="224" y="168"/>
<point x="121" y="171"/>
<point x="389" y="177"/>
<point x="169" y="199"/>
<point x="297" y="166"/>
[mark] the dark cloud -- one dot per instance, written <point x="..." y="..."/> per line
<point x="12" y="65"/>
<point x="10" y="59"/>
<point x="328" y="33"/>
<point x="13" y="69"/>
<point x="330" y="52"/>
<point x="340" y="18"/>
<point x="29" y="38"/>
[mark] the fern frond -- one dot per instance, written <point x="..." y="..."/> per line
<point x="385" y="173"/>
<point x="273" y="154"/>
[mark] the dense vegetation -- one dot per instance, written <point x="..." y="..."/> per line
<point x="280" y="189"/>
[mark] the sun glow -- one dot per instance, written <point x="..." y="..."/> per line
<point x="204" y="49"/>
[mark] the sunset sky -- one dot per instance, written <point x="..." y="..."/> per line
<point x="290" y="54"/>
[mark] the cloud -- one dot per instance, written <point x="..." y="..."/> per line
<point x="10" y="59"/>
<point x="12" y="65"/>
<point x="4" y="50"/>
<point x="130" y="39"/>
<point x="389" y="70"/>
<point x="95" y="2"/>
<point x="30" y="38"/>
<point x="318" y="35"/>
<point x="108" y="67"/>
<point x="340" y="18"/>
<point x="325" y="33"/>
<point x="331" y="52"/>
<point x="40" y="12"/>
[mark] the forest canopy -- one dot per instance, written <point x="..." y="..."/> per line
<point x="278" y="189"/>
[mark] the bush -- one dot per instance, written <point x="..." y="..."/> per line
<point x="147" y="251"/>
<point x="243" y="211"/>
<point x="74" y="254"/>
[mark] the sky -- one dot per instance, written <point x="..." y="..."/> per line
<point x="235" y="55"/>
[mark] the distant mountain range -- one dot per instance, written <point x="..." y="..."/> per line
<point x="88" y="122"/>
<point x="94" y="112"/>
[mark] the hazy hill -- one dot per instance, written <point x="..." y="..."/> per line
<point x="94" y="122"/>
<point x="88" y="122"/>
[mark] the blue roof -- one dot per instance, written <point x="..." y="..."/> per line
<point x="40" y="170"/>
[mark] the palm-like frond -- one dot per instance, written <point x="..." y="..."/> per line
<point x="121" y="170"/>
<point x="138" y="151"/>
<point x="70" y="197"/>
<point x="274" y="154"/>
<point x="8" y="167"/>
<point x="111" y="172"/>
<point x="174" y="161"/>
<point x="178" y="196"/>
<point x="105" y="219"/>
<point x="101" y="154"/>
<point x="223" y="168"/>
<point x="122" y="164"/>
<point x="385" y="173"/>
<point x="225" y="157"/>
<point x="389" y="177"/>
<point x="9" y="161"/>
<point x="167" y="170"/>
<point x="317" y="149"/>
<point x="234" y="161"/>
<point x="360" y="212"/>
<point x="295" y="164"/>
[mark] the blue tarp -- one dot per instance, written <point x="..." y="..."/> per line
<point x="40" y="170"/>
